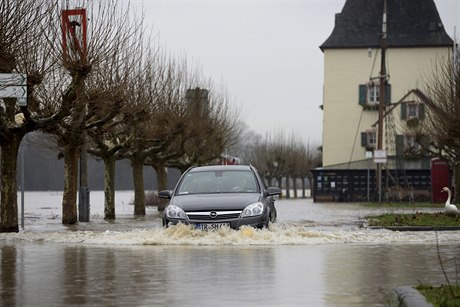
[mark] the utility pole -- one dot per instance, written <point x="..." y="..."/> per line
<point x="383" y="79"/>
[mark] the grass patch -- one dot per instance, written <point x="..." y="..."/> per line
<point x="415" y="219"/>
<point x="442" y="295"/>
<point x="401" y="205"/>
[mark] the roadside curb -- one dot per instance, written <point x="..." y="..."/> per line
<point x="410" y="297"/>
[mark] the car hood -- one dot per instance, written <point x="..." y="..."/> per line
<point x="205" y="202"/>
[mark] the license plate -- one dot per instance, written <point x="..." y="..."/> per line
<point x="211" y="226"/>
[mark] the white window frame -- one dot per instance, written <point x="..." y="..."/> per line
<point x="373" y="93"/>
<point x="416" y="109"/>
<point x="371" y="135"/>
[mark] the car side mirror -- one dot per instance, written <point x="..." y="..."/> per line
<point x="271" y="191"/>
<point x="165" y="194"/>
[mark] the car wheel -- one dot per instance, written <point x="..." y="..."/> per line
<point x="273" y="216"/>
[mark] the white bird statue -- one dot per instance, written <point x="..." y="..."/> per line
<point x="450" y="209"/>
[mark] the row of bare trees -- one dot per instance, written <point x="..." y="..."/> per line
<point x="282" y="156"/>
<point x="119" y="96"/>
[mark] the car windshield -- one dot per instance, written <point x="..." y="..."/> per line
<point x="227" y="181"/>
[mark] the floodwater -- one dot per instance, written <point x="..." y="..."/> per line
<point x="315" y="255"/>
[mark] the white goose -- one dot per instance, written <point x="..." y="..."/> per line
<point x="450" y="209"/>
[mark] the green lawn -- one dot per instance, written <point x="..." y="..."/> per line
<point x="441" y="296"/>
<point x="414" y="219"/>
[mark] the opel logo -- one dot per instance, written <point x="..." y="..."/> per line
<point x="213" y="214"/>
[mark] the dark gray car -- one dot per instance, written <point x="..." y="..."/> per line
<point x="211" y="197"/>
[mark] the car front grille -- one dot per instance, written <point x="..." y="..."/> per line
<point x="213" y="215"/>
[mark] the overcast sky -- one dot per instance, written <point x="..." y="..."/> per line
<point x="266" y="53"/>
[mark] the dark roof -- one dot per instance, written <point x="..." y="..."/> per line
<point x="410" y="23"/>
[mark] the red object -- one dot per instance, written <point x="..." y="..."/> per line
<point x="440" y="177"/>
<point x="69" y="36"/>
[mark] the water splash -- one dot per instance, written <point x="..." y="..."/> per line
<point x="278" y="234"/>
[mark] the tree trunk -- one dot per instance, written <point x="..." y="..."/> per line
<point x="109" y="187"/>
<point x="288" y="188"/>
<point x="269" y="181"/>
<point x="294" y="186"/>
<point x="138" y="178"/>
<point x="303" y="188"/>
<point x="280" y="185"/>
<point x="9" y="194"/>
<point x="162" y="182"/>
<point x="69" y="199"/>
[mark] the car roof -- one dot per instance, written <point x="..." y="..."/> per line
<point x="220" y="168"/>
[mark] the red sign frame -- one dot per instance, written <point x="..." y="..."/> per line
<point x="68" y="32"/>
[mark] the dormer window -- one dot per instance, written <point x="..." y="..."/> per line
<point x="411" y="110"/>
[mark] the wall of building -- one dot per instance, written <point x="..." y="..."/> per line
<point x="344" y="70"/>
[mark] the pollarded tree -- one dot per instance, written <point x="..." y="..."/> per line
<point x="153" y="95"/>
<point x="211" y="126"/>
<point x="270" y="157"/>
<point x="108" y="29"/>
<point x="22" y="52"/>
<point x="109" y="87"/>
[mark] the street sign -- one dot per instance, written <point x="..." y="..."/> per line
<point x="380" y="156"/>
<point x="13" y="91"/>
<point x="13" y="79"/>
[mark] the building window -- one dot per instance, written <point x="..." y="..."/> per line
<point x="373" y="94"/>
<point x="410" y="144"/>
<point x="369" y="94"/>
<point x="369" y="139"/>
<point x="411" y="110"/>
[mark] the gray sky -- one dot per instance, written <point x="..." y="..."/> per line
<point x="266" y="53"/>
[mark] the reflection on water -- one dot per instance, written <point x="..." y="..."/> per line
<point x="315" y="255"/>
<point x="8" y="273"/>
<point x="49" y="274"/>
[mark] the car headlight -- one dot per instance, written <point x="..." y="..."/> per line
<point x="253" y="210"/>
<point x="175" y="212"/>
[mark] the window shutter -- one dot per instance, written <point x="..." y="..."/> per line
<point x="363" y="94"/>
<point x="421" y="111"/>
<point x="403" y="111"/>
<point x="387" y="94"/>
<point x="364" y="139"/>
<point x="399" y="145"/>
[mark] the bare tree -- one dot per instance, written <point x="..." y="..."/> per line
<point x="110" y="89"/>
<point x="442" y="124"/>
<point x="20" y="53"/>
<point x="108" y="30"/>
<point x="281" y="157"/>
<point x="211" y="126"/>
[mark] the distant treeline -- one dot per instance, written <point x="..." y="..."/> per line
<point x="43" y="171"/>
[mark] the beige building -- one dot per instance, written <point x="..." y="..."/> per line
<point x="416" y="42"/>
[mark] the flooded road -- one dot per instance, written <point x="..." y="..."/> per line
<point x="315" y="255"/>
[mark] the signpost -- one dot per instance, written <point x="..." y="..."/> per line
<point x="13" y="79"/>
<point x="14" y="86"/>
